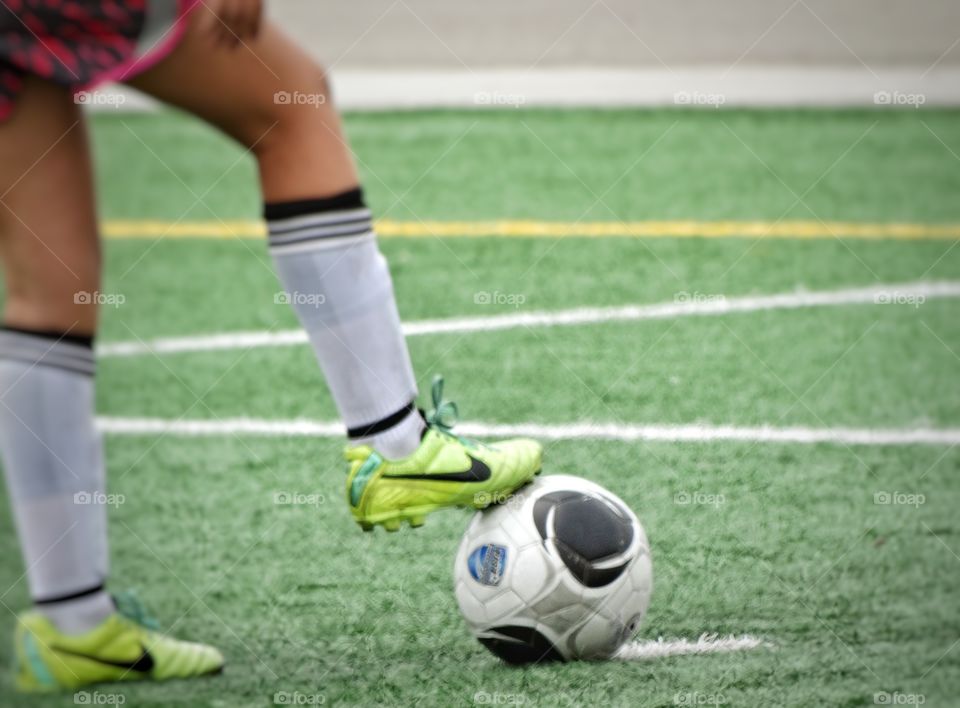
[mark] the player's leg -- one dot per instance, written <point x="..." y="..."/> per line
<point x="51" y="266"/>
<point x="272" y="98"/>
<point x="52" y="453"/>
<point x="322" y="242"/>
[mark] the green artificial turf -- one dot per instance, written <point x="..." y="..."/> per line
<point x="857" y="165"/>
<point x="854" y="598"/>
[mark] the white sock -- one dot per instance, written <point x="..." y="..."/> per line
<point x="80" y="614"/>
<point x="53" y="462"/>
<point x="339" y="284"/>
<point x="394" y="437"/>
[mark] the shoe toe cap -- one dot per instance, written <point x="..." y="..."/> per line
<point x="528" y="453"/>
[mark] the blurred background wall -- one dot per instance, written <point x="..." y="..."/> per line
<point x="395" y="53"/>
<point x="445" y="34"/>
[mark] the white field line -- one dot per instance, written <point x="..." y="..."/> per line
<point x="583" y="431"/>
<point x="690" y="306"/>
<point x="707" y="86"/>
<point x="706" y="644"/>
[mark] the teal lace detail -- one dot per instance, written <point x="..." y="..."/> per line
<point x="129" y="605"/>
<point x="444" y="414"/>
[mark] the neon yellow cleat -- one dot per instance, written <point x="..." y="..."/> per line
<point x="124" y="647"/>
<point x="446" y="470"/>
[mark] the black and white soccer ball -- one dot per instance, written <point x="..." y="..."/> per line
<point x="560" y="571"/>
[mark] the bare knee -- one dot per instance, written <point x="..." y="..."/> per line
<point x="295" y="111"/>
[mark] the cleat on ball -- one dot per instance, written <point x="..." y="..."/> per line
<point x="446" y="470"/>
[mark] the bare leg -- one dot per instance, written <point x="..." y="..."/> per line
<point x="48" y="230"/>
<point x="300" y="148"/>
<point x="51" y="451"/>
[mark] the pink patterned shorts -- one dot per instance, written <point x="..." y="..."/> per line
<point x="81" y="43"/>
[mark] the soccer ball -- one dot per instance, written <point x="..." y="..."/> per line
<point x="561" y="570"/>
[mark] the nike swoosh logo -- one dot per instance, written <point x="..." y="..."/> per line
<point x="143" y="663"/>
<point x="477" y="472"/>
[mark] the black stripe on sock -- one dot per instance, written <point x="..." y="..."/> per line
<point x="277" y="231"/>
<point x="71" y="596"/>
<point x="352" y="199"/>
<point x="79" y="339"/>
<point x="365" y="431"/>
<point x="289" y="240"/>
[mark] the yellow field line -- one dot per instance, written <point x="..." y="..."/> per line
<point x="560" y="229"/>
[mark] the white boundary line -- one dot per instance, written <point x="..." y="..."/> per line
<point x="707" y="644"/>
<point x="706" y="87"/>
<point x="912" y="293"/>
<point x="582" y="431"/>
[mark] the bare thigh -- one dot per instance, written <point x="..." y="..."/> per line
<point x="270" y="96"/>
<point x="48" y="228"/>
